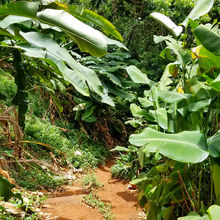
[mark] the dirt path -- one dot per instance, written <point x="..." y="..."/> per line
<point x="69" y="206"/>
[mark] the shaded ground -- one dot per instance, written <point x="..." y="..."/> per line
<point x="69" y="206"/>
<point x="124" y="202"/>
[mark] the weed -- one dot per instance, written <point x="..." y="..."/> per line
<point x="38" y="104"/>
<point x="91" y="181"/>
<point x="35" y="178"/>
<point x="8" y="88"/>
<point x="29" y="205"/>
<point x="126" y="166"/>
<point x="94" y="201"/>
<point x="91" y="153"/>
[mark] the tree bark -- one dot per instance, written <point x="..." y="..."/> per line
<point x="21" y="96"/>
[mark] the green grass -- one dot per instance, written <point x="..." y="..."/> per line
<point x="79" y="150"/>
<point x="91" y="181"/>
<point x="8" y="88"/>
<point x="91" y="153"/>
<point x="34" y="178"/>
<point x="95" y="202"/>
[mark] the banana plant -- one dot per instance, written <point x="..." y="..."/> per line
<point x="201" y="8"/>
<point x="183" y="127"/>
<point x="22" y="26"/>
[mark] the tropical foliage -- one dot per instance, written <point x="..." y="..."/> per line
<point x="182" y="117"/>
<point x="66" y="78"/>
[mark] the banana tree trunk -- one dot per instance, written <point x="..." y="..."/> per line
<point x="21" y="96"/>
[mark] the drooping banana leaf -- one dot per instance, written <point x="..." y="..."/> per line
<point x="209" y="39"/>
<point x="78" y="75"/>
<point x="12" y="19"/>
<point x="201" y="8"/>
<point x="187" y="146"/>
<point x="168" y="23"/>
<point x="19" y="8"/>
<point x="115" y="42"/>
<point x="90" y="16"/>
<point x="87" y="38"/>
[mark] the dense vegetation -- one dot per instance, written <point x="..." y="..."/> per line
<point x="75" y="88"/>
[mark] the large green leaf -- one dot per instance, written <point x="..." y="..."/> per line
<point x="216" y="83"/>
<point x="12" y="19"/>
<point x="161" y="118"/>
<point x="138" y="112"/>
<point x="199" y="89"/>
<point x="208" y="60"/>
<point x="196" y="106"/>
<point x="168" y="23"/>
<point x="79" y="76"/>
<point x="115" y="42"/>
<point x="145" y="102"/>
<point x="187" y="146"/>
<point x="26" y="9"/>
<point x="5" y="33"/>
<point x="90" y="16"/>
<point x="172" y="97"/>
<point x="194" y="216"/>
<point x="209" y="39"/>
<point x="201" y="8"/>
<point x="214" y="145"/>
<point x="137" y="76"/>
<point x="88" y="39"/>
<point x="214" y="212"/>
<point x="177" y="47"/>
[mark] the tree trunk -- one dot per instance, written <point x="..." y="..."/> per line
<point x="21" y="96"/>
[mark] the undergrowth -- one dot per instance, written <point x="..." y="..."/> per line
<point x="126" y="166"/>
<point x="80" y="150"/>
<point x="91" y="181"/>
<point x="67" y="147"/>
<point x="33" y="178"/>
<point x="8" y="88"/>
<point x="94" y="201"/>
<point x="28" y="206"/>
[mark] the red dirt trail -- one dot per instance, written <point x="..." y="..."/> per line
<point x="69" y="206"/>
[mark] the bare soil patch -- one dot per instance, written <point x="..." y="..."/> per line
<point x="69" y="205"/>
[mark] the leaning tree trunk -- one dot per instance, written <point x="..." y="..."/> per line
<point x="20" y="80"/>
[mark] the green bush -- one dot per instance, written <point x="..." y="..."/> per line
<point x="81" y="151"/>
<point x="126" y="166"/>
<point x="38" y="105"/>
<point x="8" y="88"/>
<point x="36" y="178"/>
